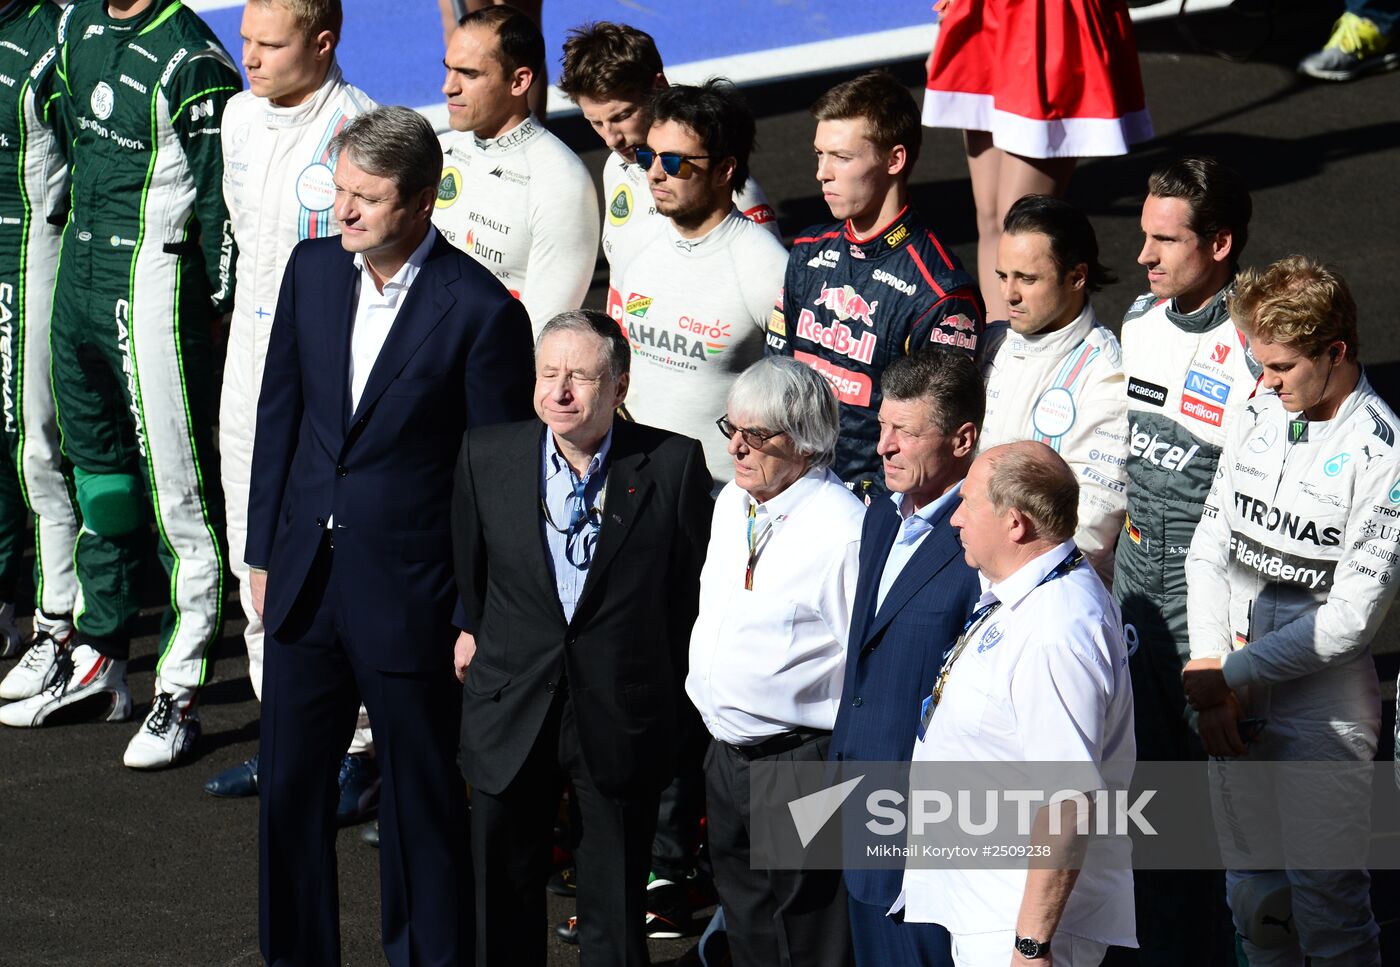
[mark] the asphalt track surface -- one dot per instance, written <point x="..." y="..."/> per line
<point x="103" y="866"/>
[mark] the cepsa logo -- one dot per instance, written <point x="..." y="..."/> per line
<point x="851" y="388"/>
<point x="847" y="304"/>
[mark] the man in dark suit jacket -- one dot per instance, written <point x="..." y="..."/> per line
<point x="388" y="343"/>
<point x="913" y="596"/>
<point x="579" y="539"/>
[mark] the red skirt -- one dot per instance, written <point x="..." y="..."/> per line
<point x="1047" y="78"/>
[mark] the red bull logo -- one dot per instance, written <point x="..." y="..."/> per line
<point x="847" y="304"/>
<point x="960" y="323"/>
<point x="836" y="337"/>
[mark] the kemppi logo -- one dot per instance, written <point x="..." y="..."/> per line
<point x="133" y="392"/>
<point x="847" y="304"/>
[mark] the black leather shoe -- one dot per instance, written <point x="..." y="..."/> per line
<point x="567" y="931"/>
<point x="369" y="834"/>
<point x="237" y="782"/>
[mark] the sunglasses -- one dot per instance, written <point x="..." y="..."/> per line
<point x="752" y="436"/>
<point x="671" y="162"/>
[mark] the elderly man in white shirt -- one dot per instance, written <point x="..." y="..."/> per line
<point x="768" y="650"/>
<point x="1040" y="675"/>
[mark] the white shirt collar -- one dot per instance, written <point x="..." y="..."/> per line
<point x="395" y="287"/>
<point x="781" y="507"/>
<point x="1011" y="590"/>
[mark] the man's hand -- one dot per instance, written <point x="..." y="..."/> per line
<point x="1219" y="727"/>
<point x="1204" y="682"/>
<point x="257" y="586"/>
<point x="462" y="654"/>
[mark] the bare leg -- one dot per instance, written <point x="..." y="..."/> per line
<point x="539" y="90"/>
<point x="998" y="180"/>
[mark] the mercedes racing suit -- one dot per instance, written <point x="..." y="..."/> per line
<point x="630" y="220"/>
<point x="279" y="188"/>
<point x="523" y="205"/>
<point x="1065" y="389"/>
<point x="33" y="207"/>
<point x="147" y="265"/>
<point x="1187" y="377"/>
<point x="1294" y="565"/>
<point x="849" y="308"/>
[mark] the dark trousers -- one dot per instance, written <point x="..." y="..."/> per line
<point x="880" y="940"/>
<point x="790" y="917"/>
<point x="314" y="679"/>
<point x="682" y="802"/>
<point x="511" y="849"/>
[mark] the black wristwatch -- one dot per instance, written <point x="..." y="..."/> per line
<point x="1032" y="949"/>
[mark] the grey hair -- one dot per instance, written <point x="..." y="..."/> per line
<point x="782" y="394"/>
<point x="394" y="143"/>
<point x="599" y="325"/>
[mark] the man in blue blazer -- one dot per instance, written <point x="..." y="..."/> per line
<point x="913" y="596"/>
<point x="387" y="344"/>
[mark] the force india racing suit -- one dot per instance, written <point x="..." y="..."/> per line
<point x="33" y="206"/>
<point x="523" y="205"/>
<point x="1294" y="564"/>
<point x="630" y="220"/>
<point x="849" y="308"/>
<point x="147" y="266"/>
<point x="279" y="188"/>
<point x="1187" y="377"/>
<point x="1065" y="389"/>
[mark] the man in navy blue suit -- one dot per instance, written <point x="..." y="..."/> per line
<point x="387" y="344"/>
<point x="914" y="594"/>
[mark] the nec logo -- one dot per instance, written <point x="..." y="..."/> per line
<point x="1220" y="353"/>
<point x="1203" y="385"/>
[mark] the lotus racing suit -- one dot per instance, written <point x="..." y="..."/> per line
<point x="147" y="266"/>
<point x="279" y="187"/>
<point x="849" y="308"/>
<point x="1294" y="565"/>
<point x="33" y="207"/>
<point x="1187" y="377"/>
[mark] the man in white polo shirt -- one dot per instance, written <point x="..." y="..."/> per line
<point x="1040" y="675"/>
<point x="512" y="195"/>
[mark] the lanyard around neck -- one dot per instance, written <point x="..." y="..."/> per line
<point x="757" y="544"/>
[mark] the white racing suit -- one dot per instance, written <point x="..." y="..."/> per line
<point x="278" y="184"/>
<point x="1065" y="389"/>
<point x="1293" y="567"/>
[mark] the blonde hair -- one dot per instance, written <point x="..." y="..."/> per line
<point x="1036" y="481"/>
<point x="1296" y="302"/>
<point x="312" y="16"/>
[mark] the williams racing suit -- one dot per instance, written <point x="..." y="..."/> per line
<point x="33" y="207"/>
<point x="1065" y="389"/>
<point x="630" y="220"/>
<point x="1187" y="377"/>
<point x="279" y="187"/>
<point x="147" y="267"/>
<point x="849" y="308"/>
<point x="1294" y="565"/>
<point x="523" y="205"/>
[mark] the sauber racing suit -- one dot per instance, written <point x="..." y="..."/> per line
<point x="1187" y="377"/>
<point x="279" y="187"/>
<point x="849" y="308"/>
<point x="33" y="207"/>
<point x="630" y="220"/>
<point x="523" y="205"/>
<point x="1065" y="389"/>
<point x="1294" y="565"/>
<point x="147" y="265"/>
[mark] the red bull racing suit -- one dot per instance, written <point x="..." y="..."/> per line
<point x="849" y="307"/>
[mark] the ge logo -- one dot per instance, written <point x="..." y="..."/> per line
<point x="1334" y="466"/>
<point x="1130" y="637"/>
<point x="102" y="100"/>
